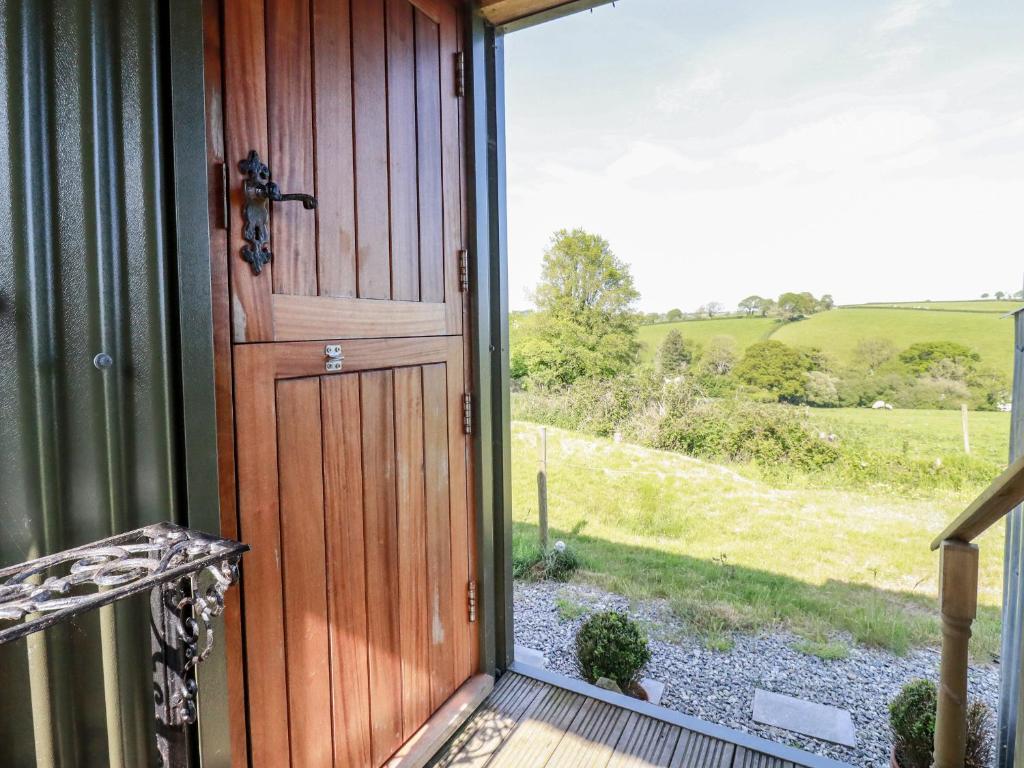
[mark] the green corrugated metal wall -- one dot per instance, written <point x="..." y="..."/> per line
<point x="83" y="269"/>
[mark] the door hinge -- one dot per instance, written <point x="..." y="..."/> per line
<point x="467" y="414"/>
<point x="471" y="592"/>
<point x="460" y="74"/>
<point x="225" y="198"/>
<point x="464" y="270"/>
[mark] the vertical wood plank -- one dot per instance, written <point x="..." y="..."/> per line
<point x="246" y="119"/>
<point x="289" y="109"/>
<point x="401" y="68"/>
<point x="412" y="553"/>
<point x="346" y="558"/>
<point x="438" y="524"/>
<point x="462" y="630"/>
<point x="373" y="255"/>
<point x="332" y="115"/>
<point x="380" y="525"/>
<point x="221" y="309"/>
<point x="300" y="465"/>
<point x="428" y="143"/>
<point x="450" y="167"/>
<point x="262" y="595"/>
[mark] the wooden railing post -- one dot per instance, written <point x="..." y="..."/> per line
<point x="958" y="603"/>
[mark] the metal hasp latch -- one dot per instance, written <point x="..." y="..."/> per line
<point x="334" y="358"/>
<point x="186" y="573"/>
<point x="260" y="190"/>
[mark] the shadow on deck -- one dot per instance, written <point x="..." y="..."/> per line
<point x="536" y="718"/>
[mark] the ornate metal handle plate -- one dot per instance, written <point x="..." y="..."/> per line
<point x="260" y="190"/>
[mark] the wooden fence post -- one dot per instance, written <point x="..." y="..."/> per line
<point x="958" y="603"/>
<point x="542" y="486"/>
<point x="963" y="422"/>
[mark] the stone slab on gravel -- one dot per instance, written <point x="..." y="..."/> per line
<point x="806" y="717"/>
<point x="654" y="689"/>
<point x="530" y="656"/>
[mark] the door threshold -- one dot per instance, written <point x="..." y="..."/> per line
<point x="443" y="724"/>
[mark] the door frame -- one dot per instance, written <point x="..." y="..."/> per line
<point x="192" y="87"/>
<point x="189" y="191"/>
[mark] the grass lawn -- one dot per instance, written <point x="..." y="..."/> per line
<point x="731" y="553"/>
<point x="971" y="305"/>
<point x="920" y="433"/>
<point x="838" y="332"/>
<point x="744" y="330"/>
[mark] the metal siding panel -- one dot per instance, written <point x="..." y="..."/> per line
<point x="83" y="269"/>
<point x="1013" y="606"/>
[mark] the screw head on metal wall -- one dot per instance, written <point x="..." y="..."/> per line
<point x="103" y="361"/>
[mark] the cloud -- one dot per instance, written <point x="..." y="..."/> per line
<point x="644" y="158"/>
<point x="907" y="13"/>
<point x="696" y="84"/>
<point x="845" y="141"/>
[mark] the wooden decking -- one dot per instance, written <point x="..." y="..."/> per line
<point x="555" y="722"/>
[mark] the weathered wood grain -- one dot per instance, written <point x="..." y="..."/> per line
<point x="380" y="520"/>
<point x="346" y="557"/>
<point x="300" y="466"/>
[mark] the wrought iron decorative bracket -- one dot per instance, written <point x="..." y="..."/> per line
<point x="259" y="191"/>
<point x="187" y="574"/>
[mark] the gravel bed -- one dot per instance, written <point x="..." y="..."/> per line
<point x="719" y="686"/>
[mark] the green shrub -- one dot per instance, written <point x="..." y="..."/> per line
<point x="912" y="719"/>
<point x="532" y="563"/>
<point x="779" y="439"/>
<point x="611" y="645"/>
<point x="741" y="431"/>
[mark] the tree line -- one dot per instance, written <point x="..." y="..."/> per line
<point x="586" y="327"/>
<point x="791" y="305"/>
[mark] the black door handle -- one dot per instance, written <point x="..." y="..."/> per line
<point x="260" y="190"/>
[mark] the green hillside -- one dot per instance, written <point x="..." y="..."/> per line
<point x="974" y="305"/>
<point x="838" y="331"/>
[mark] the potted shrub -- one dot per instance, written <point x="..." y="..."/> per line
<point x="612" y="647"/>
<point x="912" y="719"/>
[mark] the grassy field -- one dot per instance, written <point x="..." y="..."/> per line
<point x="919" y="433"/>
<point x="974" y="305"/>
<point x="731" y="553"/>
<point x="838" y="332"/>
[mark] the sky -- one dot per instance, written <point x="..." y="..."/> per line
<point x="870" y="149"/>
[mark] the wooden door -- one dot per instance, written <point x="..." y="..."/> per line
<point x="351" y="473"/>
<point x="353" y="495"/>
<point x="353" y="101"/>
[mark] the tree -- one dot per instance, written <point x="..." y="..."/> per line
<point x="873" y="353"/>
<point x="720" y="355"/>
<point x="714" y="308"/>
<point x="586" y="326"/>
<point x="794" y="305"/>
<point x="674" y="315"/>
<point x="752" y="304"/>
<point x="650" y="318"/>
<point x="826" y="302"/>
<point x="1000" y="295"/>
<point x="774" y="367"/>
<point x="676" y="353"/>
<point x="922" y="356"/>
<point x="766" y="306"/>
<point x="984" y="295"/>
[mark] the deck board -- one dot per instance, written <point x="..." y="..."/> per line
<point x="535" y="723"/>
